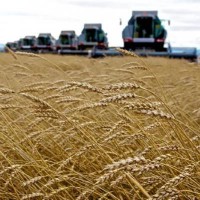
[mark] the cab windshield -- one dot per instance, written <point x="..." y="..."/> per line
<point x="44" y="41"/>
<point x="94" y="35"/>
<point x="91" y="35"/>
<point x="65" y="39"/>
<point x="27" y="42"/>
<point x="144" y="27"/>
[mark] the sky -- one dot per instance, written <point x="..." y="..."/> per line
<point x="19" y="18"/>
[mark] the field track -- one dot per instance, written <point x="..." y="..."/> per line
<point x="118" y="128"/>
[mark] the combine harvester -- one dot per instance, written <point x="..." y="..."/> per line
<point x="92" y="36"/>
<point x="45" y="43"/>
<point x="67" y="41"/>
<point x="144" y="31"/>
<point x="27" y="44"/>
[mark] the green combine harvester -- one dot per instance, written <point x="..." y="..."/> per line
<point x="91" y="36"/>
<point x="144" y="31"/>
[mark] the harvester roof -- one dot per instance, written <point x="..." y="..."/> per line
<point x="92" y="26"/>
<point x="67" y="33"/>
<point x="152" y="13"/>
<point x="44" y="34"/>
<point x="29" y="37"/>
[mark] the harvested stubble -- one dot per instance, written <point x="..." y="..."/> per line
<point x="87" y="130"/>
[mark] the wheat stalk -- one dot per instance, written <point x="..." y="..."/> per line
<point x="37" y="56"/>
<point x="11" y="52"/>
<point x="33" y="195"/>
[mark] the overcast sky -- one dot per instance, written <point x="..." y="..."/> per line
<point x="19" y="18"/>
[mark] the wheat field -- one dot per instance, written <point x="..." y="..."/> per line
<point x="121" y="128"/>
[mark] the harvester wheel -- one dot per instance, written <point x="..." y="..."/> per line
<point x="159" y="47"/>
<point x="128" y="46"/>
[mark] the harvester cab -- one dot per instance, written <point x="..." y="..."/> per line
<point x="28" y="43"/>
<point x="93" y="36"/>
<point x="45" y="42"/>
<point x="144" y="30"/>
<point x="67" y="40"/>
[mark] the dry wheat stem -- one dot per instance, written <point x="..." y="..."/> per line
<point x="33" y="195"/>
<point x="123" y="51"/>
<point x="133" y="180"/>
<point x="131" y="63"/>
<point x="21" y="67"/>
<point x="11" y="52"/>
<point x="38" y="56"/>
